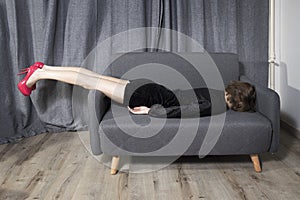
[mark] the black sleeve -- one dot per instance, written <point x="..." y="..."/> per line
<point x="194" y="109"/>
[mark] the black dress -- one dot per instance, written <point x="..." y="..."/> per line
<point x="173" y="104"/>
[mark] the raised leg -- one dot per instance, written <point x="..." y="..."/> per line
<point x="86" y="72"/>
<point x="256" y="162"/>
<point x="112" y="87"/>
<point x="114" y="165"/>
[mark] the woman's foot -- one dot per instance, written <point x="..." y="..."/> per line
<point x="26" y="85"/>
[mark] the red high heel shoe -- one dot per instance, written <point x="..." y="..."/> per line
<point x="26" y="91"/>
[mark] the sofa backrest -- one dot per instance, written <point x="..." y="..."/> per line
<point x="196" y="68"/>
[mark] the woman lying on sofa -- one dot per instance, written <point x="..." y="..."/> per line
<point x="143" y="96"/>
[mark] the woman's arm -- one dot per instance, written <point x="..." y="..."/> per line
<point x="194" y="109"/>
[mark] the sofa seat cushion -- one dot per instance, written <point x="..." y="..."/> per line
<point x="122" y="133"/>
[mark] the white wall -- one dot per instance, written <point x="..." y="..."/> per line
<point x="288" y="57"/>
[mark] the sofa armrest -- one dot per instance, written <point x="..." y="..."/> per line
<point x="98" y="105"/>
<point x="268" y="104"/>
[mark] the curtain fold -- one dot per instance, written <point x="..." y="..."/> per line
<point x="65" y="32"/>
<point x="220" y="26"/>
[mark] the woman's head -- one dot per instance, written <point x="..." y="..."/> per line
<point x="240" y="96"/>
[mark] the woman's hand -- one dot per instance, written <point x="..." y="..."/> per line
<point x="141" y="110"/>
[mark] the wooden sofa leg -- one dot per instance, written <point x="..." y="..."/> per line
<point x="114" y="165"/>
<point x="256" y="162"/>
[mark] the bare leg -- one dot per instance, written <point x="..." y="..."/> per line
<point x="112" y="87"/>
<point x="87" y="72"/>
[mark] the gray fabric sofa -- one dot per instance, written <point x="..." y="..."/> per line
<point x="116" y="132"/>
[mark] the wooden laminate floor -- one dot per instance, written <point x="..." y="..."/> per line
<point x="58" y="166"/>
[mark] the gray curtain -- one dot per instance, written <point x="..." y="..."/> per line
<point x="64" y="32"/>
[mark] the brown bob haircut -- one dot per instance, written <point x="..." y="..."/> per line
<point x="241" y="96"/>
